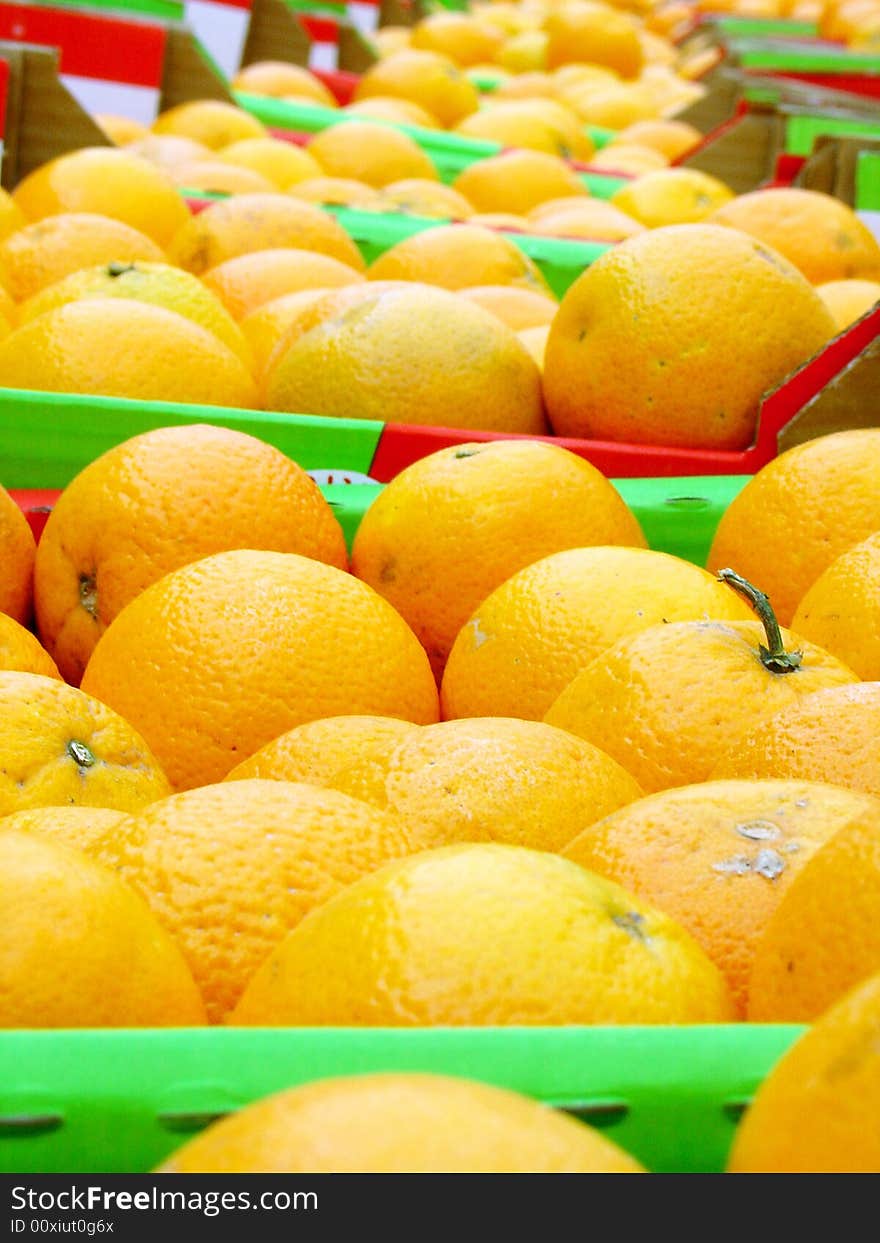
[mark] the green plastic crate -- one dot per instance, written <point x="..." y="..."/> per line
<point x="121" y="1101"/>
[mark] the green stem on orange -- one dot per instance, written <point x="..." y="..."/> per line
<point x="774" y="656"/>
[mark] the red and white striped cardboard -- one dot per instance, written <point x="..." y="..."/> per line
<point x="221" y="26"/>
<point x="108" y="64"/>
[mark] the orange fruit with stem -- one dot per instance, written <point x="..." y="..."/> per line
<point x="60" y="746"/>
<point x="719" y="856"/>
<point x="399" y="1123"/>
<point x="529" y="637"/>
<point x="73" y="927"/>
<point x="816" y="1111"/>
<point x="131" y="517"/>
<point x="636" y="701"/>
<point x="229" y="870"/>
<point x="242" y="646"/>
<point x="17" y="549"/>
<point x="830" y="735"/>
<point x="484" y="935"/>
<point x="450" y="528"/>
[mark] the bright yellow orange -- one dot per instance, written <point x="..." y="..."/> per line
<point x="528" y="639"/>
<point x="595" y="34"/>
<point x="670" y="137"/>
<point x="535" y="341"/>
<point x="249" y="222"/>
<point x="264" y="327"/>
<point x="672" y="196"/>
<point x="368" y="151"/>
<point x="22" y="651"/>
<point x="452" y="527"/>
<point x="283" y="164"/>
<point x="282" y="79"/>
<point x="418" y="197"/>
<point x="720" y="319"/>
<point x="506" y="221"/>
<point x="482" y="934"/>
<point x="72" y="929"/>
<point x="427" y="78"/>
<point x="11" y="215"/>
<point x="718" y="857"/>
<point x="340" y="191"/>
<point x="167" y="357"/>
<point x="616" y="107"/>
<point x="320" y="751"/>
<point x="823" y="938"/>
<point x="516" y="123"/>
<point x="106" y="182"/>
<point x="387" y="108"/>
<point x="159" y="284"/>
<point x="595" y="219"/>
<point x="668" y="702"/>
<point x="831" y="735"/>
<point x="814" y="1113"/>
<point x="169" y="151"/>
<point x="132" y="516"/>
<point x="849" y="300"/>
<point x="517" y="181"/>
<point x="69" y="825"/>
<point x="230" y="869"/>
<point x="630" y="159"/>
<point x="818" y="233"/>
<point x="213" y="176"/>
<point x="841" y="611"/>
<point x="247" y="282"/>
<point x="524" y="53"/>
<point x="209" y="121"/>
<point x="533" y="84"/>
<point x="465" y="39"/>
<point x="396" y="355"/>
<point x="17" y="547"/>
<point x="399" y="1123"/>
<point x="61" y="746"/>
<point x="518" y="308"/>
<point x="51" y="249"/>
<point x="799" y="513"/>
<point x="458" y="256"/>
<point x="245" y="645"/>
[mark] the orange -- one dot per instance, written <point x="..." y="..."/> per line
<point x="165" y="356"/>
<point x="517" y="181"/>
<point x="61" y="746"/>
<point x="520" y="783"/>
<point x="799" y="513"/>
<point x="213" y="176"/>
<point x="244" y="645"/>
<point x="672" y="196"/>
<point x="281" y="163"/>
<point x="250" y="222"/>
<point x="524" y="53"/>
<point x="70" y="825"/>
<point x="535" y="341"/>
<point x="823" y="938"/>
<point x="849" y="300"/>
<point x="387" y="108"/>
<point x="8" y="309"/>
<point x="341" y="191"/>
<point x="841" y="611"/>
<point x="388" y="39"/>
<point x="452" y="527"/>
<point x="12" y="217"/>
<point x="830" y="735"/>
<point x="426" y="78"/>
<point x="120" y="130"/>
<point x="17" y="547"/>
<point x="818" y="233"/>
<point x="399" y="1123"/>
<point x="670" y="137"/>
<point x="629" y="159"/>
<point x="264" y="327"/>
<point x="245" y="283"/>
<point x="718" y="857"/>
<point x="133" y="515"/>
<point x="719" y="320"/>
<point x="465" y="39"/>
<point x="169" y="150"/>
<point x="484" y="935"/>
<point x="106" y="182"/>
<point x="418" y="197"/>
<point x="616" y="107"/>
<point x="517" y="123"/>
<point x="51" y="249"/>
<point x="458" y="256"/>
<point x="20" y="650"/>
<point x="529" y="638"/>
<point x="504" y="220"/>
<point x="368" y="151"/>
<point x="398" y="355"/>
<point x="591" y="218"/>
<point x="667" y="702"/>
<point x="816" y="1111"/>
<point x="157" y="283"/>
<point x="229" y="870"/>
<point x="281" y="78"/>
<point x="81" y="949"/>
<point x="518" y="308"/>
<point x="595" y="34"/>
<point x="209" y="121"/>
<point x="530" y="84"/>
<point x="319" y="751"/>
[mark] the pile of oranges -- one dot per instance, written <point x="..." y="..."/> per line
<point x="496" y="762"/>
